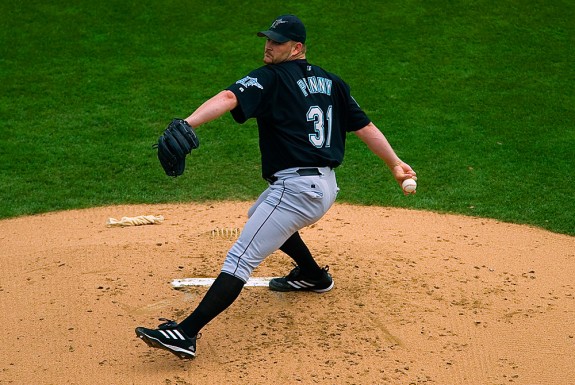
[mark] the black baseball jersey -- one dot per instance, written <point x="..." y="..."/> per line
<point x="303" y="114"/>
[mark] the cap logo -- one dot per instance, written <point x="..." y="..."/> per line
<point x="277" y="22"/>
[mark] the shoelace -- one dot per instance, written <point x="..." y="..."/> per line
<point x="168" y="324"/>
<point x="171" y="324"/>
<point x="296" y="271"/>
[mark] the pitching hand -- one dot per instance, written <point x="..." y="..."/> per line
<point x="403" y="171"/>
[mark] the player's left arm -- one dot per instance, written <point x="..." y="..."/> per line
<point x="379" y="145"/>
<point x="213" y="108"/>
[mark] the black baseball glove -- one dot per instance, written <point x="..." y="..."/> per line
<point x="177" y="141"/>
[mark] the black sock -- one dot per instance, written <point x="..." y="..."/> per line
<point x="223" y="292"/>
<point x="298" y="251"/>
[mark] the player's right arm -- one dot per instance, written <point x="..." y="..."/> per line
<point x="213" y="108"/>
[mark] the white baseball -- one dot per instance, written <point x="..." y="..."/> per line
<point x="409" y="185"/>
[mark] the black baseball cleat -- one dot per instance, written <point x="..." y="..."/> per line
<point x="170" y="337"/>
<point x="296" y="281"/>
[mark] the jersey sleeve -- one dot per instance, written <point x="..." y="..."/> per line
<point x="251" y="92"/>
<point x="357" y="118"/>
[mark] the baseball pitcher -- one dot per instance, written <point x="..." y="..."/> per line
<point x="304" y="114"/>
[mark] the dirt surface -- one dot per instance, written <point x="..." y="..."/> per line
<point x="419" y="298"/>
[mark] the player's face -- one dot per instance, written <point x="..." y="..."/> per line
<point x="278" y="52"/>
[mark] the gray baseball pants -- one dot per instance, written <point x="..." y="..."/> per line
<point x="289" y="204"/>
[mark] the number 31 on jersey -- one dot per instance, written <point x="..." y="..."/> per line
<point x="322" y="136"/>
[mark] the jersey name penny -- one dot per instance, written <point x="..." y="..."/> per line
<point x="315" y="85"/>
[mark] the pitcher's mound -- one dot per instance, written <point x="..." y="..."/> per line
<point x="419" y="298"/>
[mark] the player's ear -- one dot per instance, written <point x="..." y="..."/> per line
<point x="297" y="48"/>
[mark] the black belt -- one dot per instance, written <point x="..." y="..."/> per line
<point x="302" y="172"/>
<point x="308" y="171"/>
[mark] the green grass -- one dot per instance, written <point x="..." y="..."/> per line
<point x="478" y="96"/>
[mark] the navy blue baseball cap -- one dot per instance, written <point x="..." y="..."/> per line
<point x="285" y="28"/>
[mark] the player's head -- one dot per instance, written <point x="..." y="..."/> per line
<point x="285" y="40"/>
